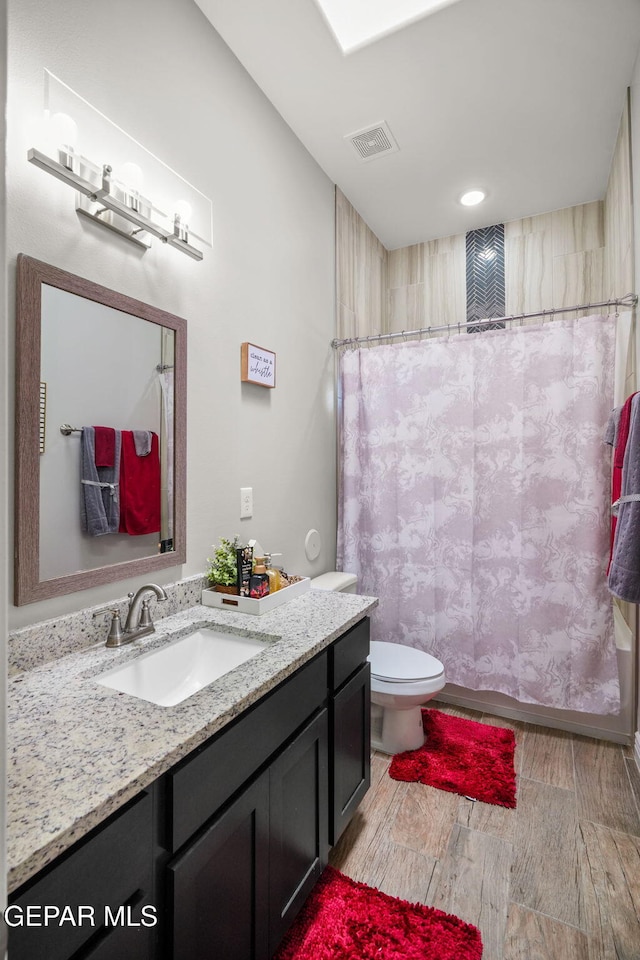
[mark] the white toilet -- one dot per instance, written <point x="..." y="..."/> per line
<point x="402" y="680"/>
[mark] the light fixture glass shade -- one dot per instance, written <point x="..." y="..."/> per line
<point x="64" y="130"/>
<point x="183" y="209"/>
<point x="63" y="135"/>
<point x="130" y="175"/>
<point x="130" y="178"/>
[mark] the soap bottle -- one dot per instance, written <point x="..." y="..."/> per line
<point x="259" y="584"/>
<point x="272" y="573"/>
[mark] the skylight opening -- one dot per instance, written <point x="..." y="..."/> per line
<point x="354" y="23"/>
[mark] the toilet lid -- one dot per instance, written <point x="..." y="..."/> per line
<point x="394" y="661"/>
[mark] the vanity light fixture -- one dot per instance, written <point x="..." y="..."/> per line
<point x="472" y="197"/>
<point x="107" y="199"/>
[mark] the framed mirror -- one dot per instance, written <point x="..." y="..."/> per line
<point x="100" y="443"/>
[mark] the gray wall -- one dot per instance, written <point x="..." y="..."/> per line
<point x="169" y="81"/>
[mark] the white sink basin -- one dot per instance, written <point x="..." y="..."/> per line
<point x="176" y="671"/>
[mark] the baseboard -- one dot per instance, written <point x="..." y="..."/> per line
<point x="588" y="729"/>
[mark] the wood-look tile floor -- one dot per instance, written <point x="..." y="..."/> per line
<point x="558" y="878"/>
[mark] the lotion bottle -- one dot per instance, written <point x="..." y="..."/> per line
<point x="272" y="573"/>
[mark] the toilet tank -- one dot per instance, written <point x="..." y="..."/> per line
<point x="335" y="581"/>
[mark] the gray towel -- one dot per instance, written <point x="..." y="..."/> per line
<point x="611" y="430"/>
<point x="99" y="499"/>
<point x="624" y="573"/>
<point x="142" y="441"/>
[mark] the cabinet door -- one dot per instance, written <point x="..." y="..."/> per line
<point x="110" y="867"/>
<point x="218" y="888"/>
<point x="126" y="943"/>
<point x="298" y="824"/>
<point x="350" y="749"/>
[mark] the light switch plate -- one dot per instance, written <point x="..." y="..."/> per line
<point x="246" y="502"/>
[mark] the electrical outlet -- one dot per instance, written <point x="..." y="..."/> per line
<point x="246" y="502"/>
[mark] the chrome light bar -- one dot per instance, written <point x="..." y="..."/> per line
<point x="110" y="203"/>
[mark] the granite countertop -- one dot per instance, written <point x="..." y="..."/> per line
<point x="77" y="751"/>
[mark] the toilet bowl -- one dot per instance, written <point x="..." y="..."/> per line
<point x="402" y="680"/>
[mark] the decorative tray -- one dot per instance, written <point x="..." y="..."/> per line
<point x="229" y="601"/>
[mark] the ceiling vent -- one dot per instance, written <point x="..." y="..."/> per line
<point x="373" y="142"/>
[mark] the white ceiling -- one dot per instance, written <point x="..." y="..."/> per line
<point x="521" y="98"/>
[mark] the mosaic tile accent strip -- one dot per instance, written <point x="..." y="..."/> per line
<point x="486" y="295"/>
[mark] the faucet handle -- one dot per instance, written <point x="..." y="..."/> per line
<point x="103" y="613"/>
<point x="114" y="639"/>
<point x="145" y="616"/>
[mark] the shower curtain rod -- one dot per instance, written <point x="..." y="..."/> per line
<point x="629" y="300"/>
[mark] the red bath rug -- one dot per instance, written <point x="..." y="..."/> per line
<point x="345" y="920"/>
<point x="462" y="756"/>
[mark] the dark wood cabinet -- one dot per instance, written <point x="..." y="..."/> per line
<point x="226" y="846"/>
<point x="349" y="725"/>
<point x="207" y="778"/>
<point x="218" y="889"/>
<point x="239" y="885"/>
<point x="350" y="749"/>
<point x="298" y="830"/>
<point x="103" y="882"/>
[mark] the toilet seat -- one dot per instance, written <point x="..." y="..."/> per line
<point x="396" y="663"/>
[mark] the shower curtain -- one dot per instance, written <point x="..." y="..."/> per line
<point x="474" y="502"/>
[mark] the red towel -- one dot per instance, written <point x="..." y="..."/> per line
<point x="618" y="462"/>
<point x="105" y="446"/>
<point x="139" y="487"/>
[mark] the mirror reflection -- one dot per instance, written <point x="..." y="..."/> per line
<point x="109" y="375"/>
<point x="104" y="463"/>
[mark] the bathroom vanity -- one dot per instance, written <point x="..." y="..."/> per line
<point x="222" y="839"/>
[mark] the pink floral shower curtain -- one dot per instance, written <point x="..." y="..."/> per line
<point x="474" y="503"/>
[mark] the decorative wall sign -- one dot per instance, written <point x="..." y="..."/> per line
<point x="257" y="365"/>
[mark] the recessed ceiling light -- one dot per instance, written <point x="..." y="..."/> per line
<point x="472" y="197"/>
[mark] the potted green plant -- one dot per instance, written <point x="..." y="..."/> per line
<point x="222" y="571"/>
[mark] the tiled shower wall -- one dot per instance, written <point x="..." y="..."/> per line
<point x="580" y="254"/>
<point x="361" y="274"/>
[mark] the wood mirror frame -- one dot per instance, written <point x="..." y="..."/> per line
<point x="28" y="587"/>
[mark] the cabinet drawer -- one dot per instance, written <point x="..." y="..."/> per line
<point x="348" y="653"/>
<point x="208" y="777"/>
<point x="107" y="868"/>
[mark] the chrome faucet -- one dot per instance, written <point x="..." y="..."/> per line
<point x="138" y="622"/>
